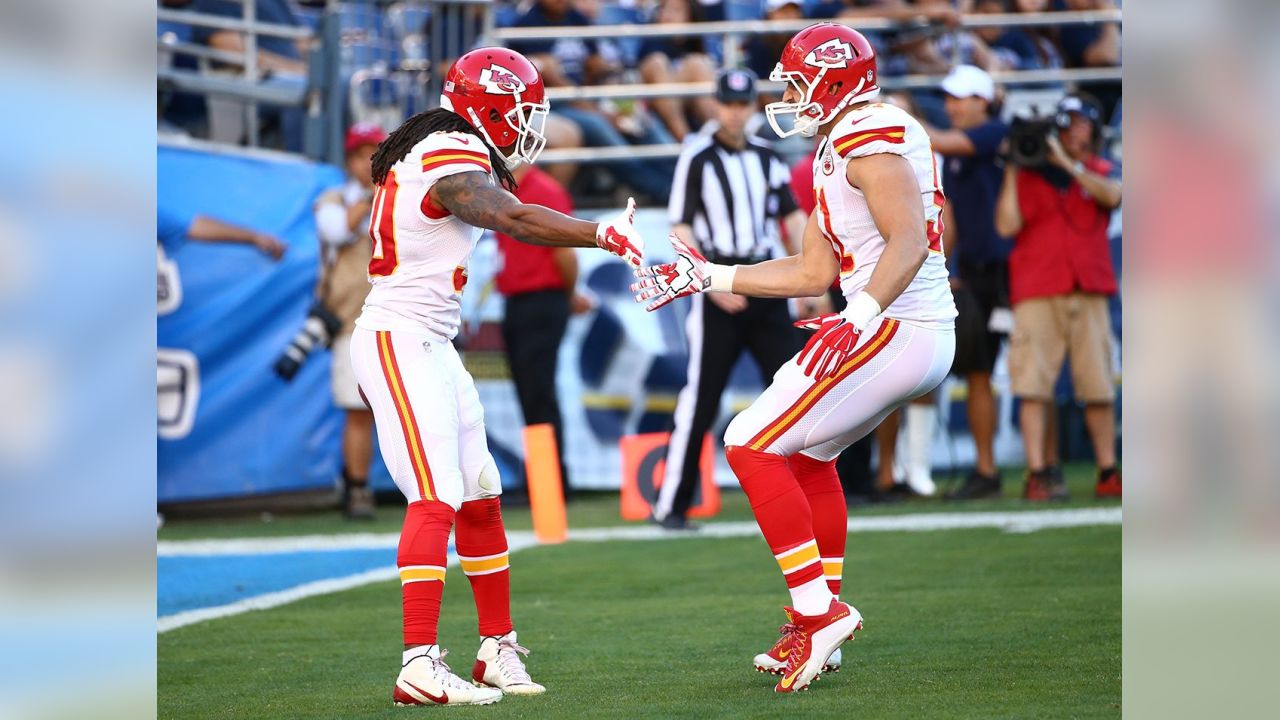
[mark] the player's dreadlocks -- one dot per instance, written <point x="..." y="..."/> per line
<point x="401" y="141"/>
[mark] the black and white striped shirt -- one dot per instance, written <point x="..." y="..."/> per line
<point x="731" y="198"/>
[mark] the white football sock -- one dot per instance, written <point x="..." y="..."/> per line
<point x="419" y="651"/>
<point x="812" y="598"/>
<point x="921" y="421"/>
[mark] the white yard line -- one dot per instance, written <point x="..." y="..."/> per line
<point x="1016" y="522"/>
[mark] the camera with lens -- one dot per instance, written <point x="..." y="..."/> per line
<point x="1029" y="140"/>
<point x="318" y="330"/>
<point x="1029" y="146"/>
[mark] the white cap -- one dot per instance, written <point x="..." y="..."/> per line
<point x="771" y="5"/>
<point x="969" y="81"/>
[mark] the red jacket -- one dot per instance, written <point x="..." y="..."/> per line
<point x="529" y="268"/>
<point x="1063" y="246"/>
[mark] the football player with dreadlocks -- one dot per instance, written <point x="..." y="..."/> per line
<point x="877" y="228"/>
<point x="442" y="178"/>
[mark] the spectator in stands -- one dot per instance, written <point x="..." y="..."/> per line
<point x="1047" y="54"/>
<point x="570" y="62"/>
<point x="540" y="285"/>
<point x="971" y="177"/>
<point x="279" y="60"/>
<point x="664" y="60"/>
<point x="1060" y="277"/>
<point x="762" y="51"/>
<point x="565" y="62"/>
<point x="1093" y="45"/>
<point x="997" y="49"/>
<point x="342" y="222"/>
<point x="917" y="47"/>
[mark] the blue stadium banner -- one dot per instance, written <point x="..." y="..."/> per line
<point x="228" y="425"/>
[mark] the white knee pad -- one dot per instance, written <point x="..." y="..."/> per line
<point x="485" y="483"/>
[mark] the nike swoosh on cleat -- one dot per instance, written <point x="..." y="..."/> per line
<point x="783" y="655"/>
<point x="442" y="698"/>
<point x="786" y="681"/>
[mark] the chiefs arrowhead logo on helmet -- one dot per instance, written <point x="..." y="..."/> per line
<point x="498" y="80"/>
<point x="834" y="53"/>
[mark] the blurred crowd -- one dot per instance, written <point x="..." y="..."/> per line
<point x="928" y="38"/>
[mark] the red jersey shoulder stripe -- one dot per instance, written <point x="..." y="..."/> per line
<point x="437" y="158"/>
<point x="853" y="141"/>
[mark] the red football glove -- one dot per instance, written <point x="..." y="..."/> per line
<point x="619" y="236"/>
<point x="830" y="346"/>
<point x="686" y="276"/>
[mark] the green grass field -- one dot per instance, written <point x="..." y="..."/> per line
<point x="965" y="623"/>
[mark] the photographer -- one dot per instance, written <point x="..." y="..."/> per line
<point x="980" y="271"/>
<point x="1056" y="202"/>
<point x="342" y="220"/>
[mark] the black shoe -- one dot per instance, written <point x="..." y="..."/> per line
<point x="977" y="487"/>
<point x="1057" y="483"/>
<point x="902" y="491"/>
<point x="359" y="503"/>
<point x="674" y="522"/>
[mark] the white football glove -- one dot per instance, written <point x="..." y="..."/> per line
<point x="619" y="236"/>
<point x="689" y="274"/>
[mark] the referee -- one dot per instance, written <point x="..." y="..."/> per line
<point x="729" y="193"/>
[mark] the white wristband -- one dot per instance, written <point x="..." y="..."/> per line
<point x="862" y="310"/>
<point x="721" y="277"/>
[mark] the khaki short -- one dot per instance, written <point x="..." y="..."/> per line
<point x="1048" y="330"/>
<point x="346" y="391"/>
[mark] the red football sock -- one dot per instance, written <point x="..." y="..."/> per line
<point x="481" y="542"/>
<point x="821" y="485"/>
<point x="424" y="544"/>
<point x="781" y="510"/>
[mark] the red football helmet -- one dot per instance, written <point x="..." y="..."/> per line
<point x="831" y="66"/>
<point x="500" y="93"/>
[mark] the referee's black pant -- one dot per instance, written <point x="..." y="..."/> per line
<point x="716" y="340"/>
<point x="532" y="329"/>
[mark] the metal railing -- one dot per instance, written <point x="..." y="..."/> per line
<point x="248" y="86"/>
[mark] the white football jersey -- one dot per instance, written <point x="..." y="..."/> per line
<point x="845" y="218"/>
<point x="420" y="254"/>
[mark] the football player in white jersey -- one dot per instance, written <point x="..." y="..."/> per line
<point x="877" y="228"/>
<point x="442" y="178"/>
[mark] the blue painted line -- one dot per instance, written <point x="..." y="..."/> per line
<point x="189" y="583"/>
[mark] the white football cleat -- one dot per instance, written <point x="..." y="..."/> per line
<point x="774" y="660"/>
<point x="427" y="680"/>
<point x="498" y="665"/>
<point x="814" y="639"/>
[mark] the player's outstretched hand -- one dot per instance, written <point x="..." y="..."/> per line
<point x="829" y="347"/>
<point x="666" y="282"/>
<point x="618" y="235"/>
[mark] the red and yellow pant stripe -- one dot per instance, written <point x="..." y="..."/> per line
<point x="408" y="422"/>
<point x="788" y="419"/>
<point x="421" y="573"/>
<point x="798" y="558"/>
<point x="484" y="565"/>
<point x="832" y="568"/>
